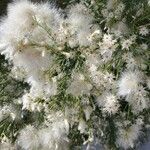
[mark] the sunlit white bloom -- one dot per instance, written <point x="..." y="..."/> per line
<point x="20" y="16"/>
<point x="28" y="102"/>
<point x="16" y="26"/>
<point x="79" y="17"/>
<point x="138" y="100"/>
<point x="127" y="136"/>
<point x="139" y="121"/>
<point x="32" y="56"/>
<point x="108" y="103"/>
<point x="20" y="34"/>
<point x="108" y="39"/>
<point x="144" y="31"/>
<point x="97" y="77"/>
<point x="107" y="47"/>
<point x="49" y="16"/>
<point x="28" y="138"/>
<point x="102" y="80"/>
<point x="38" y="90"/>
<point x="79" y="20"/>
<point x="129" y="82"/>
<point x="55" y="136"/>
<point x="126" y="44"/>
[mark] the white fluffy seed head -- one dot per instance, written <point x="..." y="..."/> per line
<point x="128" y="136"/>
<point x="108" y="103"/>
<point x="129" y="82"/>
<point x="28" y="138"/>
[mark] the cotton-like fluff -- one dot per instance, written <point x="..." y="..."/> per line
<point x="25" y="46"/>
<point x="32" y="61"/>
<point x="29" y="103"/>
<point x="48" y="16"/>
<point x="55" y="136"/>
<point x="80" y="21"/>
<point x="28" y="138"/>
<point x="35" y="65"/>
<point x="129" y="82"/>
<point x="18" y="23"/>
<point x="79" y="85"/>
<point x="20" y="17"/>
<point x="108" y="103"/>
<point x="138" y="100"/>
<point x="79" y="17"/>
<point x="107" y="47"/>
<point x="127" y="135"/>
<point x="144" y="31"/>
<point x="39" y="89"/>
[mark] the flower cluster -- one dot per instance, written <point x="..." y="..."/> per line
<point x="87" y="69"/>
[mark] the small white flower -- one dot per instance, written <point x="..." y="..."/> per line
<point x="144" y="31"/>
<point x="79" y="17"/>
<point x="107" y="47"/>
<point x="144" y="46"/>
<point x="108" y="102"/>
<point x="126" y="44"/>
